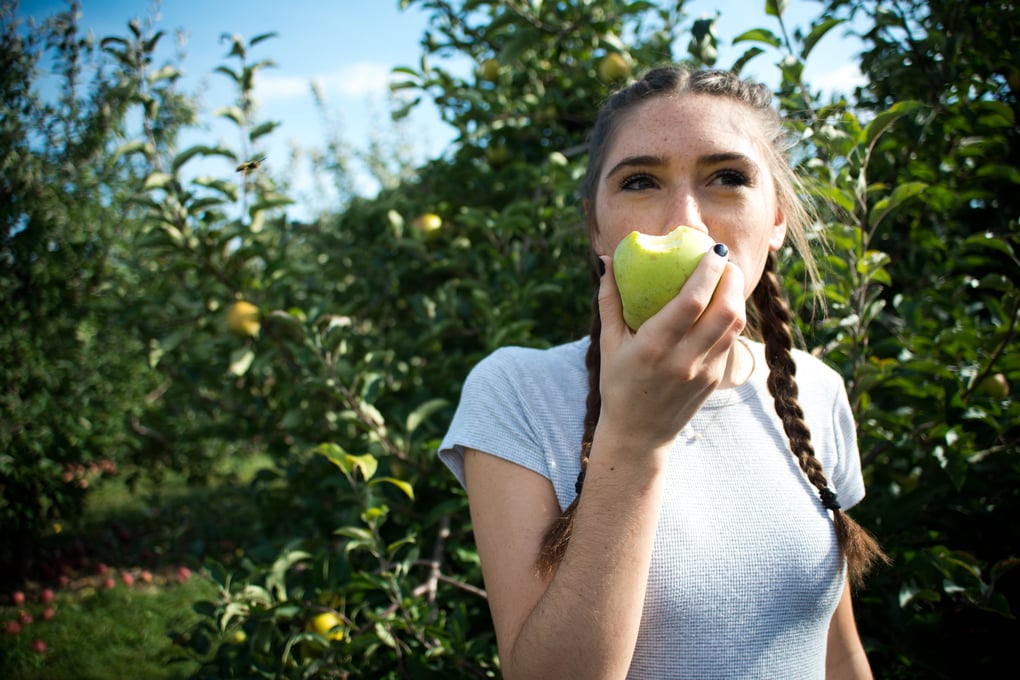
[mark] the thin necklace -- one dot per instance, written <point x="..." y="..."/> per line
<point x="696" y="435"/>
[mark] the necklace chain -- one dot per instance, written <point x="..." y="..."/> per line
<point x="696" y="435"/>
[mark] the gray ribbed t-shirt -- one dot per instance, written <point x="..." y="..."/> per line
<point x="745" y="571"/>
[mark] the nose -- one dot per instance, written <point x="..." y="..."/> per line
<point x="683" y="208"/>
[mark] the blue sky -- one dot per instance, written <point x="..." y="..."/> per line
<point x="349" y="47"/>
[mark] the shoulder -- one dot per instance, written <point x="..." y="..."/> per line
<point x="526" y="406"/>
<point x="817" y="369"/>
<point x="528" y="368"/>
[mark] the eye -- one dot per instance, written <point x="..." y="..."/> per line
<point x="732" y="178"/>
<point x="638" y="182"/>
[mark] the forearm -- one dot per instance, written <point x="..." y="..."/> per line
<point x="586" y="623"/>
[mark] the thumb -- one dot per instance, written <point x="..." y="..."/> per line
<point x="610" y="305"/>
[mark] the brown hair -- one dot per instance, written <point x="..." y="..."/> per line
<point x="771" y="319"/>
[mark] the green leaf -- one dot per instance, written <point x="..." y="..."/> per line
<point x="746" y="57"/>
<point x="900" y="194"/>
<point x="420" y="414"/>
<point x="883" y="121"/>
<point x="157" y="180"/>
<point x="399" y="483"/>
<point x="137" y="146"/>
<point x="263" y="129"/>
<point x="269" y="201"/>
<point x="231" y="113"/>
<point x="347" y="463"/>
<point x="228" y="189"/>
<point x="167" y="72"/>
<point x="762" y="35"/>
<point x="198" y="150"/>
<point x="990" y="241"/>
<point x="262" y="36"/>
<point x="817" y="33"/>
<point x="775" y="8"/>
<point x="240" y="361"/>
<point x="225" y="70"/>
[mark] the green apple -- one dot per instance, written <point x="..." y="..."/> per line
<point x="490" y="70"/>
<point x="995" y="386"/>
<point x="613" y="67"/>
<point x="650" y="269"/>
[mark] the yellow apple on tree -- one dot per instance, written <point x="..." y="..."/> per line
<point x="243" y="318"/>
<point x="324" y="623"/>
<point x="613" y="67"/>
<point x="428" y="224"/>
<point x="650" y="269"/>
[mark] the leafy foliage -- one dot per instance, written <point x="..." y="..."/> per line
<point x="169" y="316"/>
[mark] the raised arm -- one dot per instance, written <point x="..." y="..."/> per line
<point x="583" y="621"/>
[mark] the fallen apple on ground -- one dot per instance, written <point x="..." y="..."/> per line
<point x="651" y="269"/>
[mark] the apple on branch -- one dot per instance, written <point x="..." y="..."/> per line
<point x="651" y="269"/>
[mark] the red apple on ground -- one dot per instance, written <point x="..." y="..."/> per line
<point x="39" y="646"/>
<point x="183" y="574"/>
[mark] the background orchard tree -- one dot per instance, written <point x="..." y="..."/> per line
<point x="124" y="253"/>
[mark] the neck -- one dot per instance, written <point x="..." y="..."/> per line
<point x="739" y="366"/>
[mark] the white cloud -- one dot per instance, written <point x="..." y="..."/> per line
<point x="359" y="80"/>
<point x="843" y="79"/>
<point x="281" y="87"/>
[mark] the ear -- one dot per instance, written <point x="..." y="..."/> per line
<point x="778" y="231"/>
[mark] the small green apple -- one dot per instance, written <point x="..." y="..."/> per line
<point x="490" y="70"/>
<point x="650" y="269"/>
<point x="995" y="386"/>
<point x="613" y="67"/>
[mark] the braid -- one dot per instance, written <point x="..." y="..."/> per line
<point x="554" y="545"/>
<point x="859" y="548"/>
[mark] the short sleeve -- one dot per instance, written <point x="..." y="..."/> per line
<point x="492" y="417"/>
<point x="525" y="406"/>
<point x="847" y="478"/>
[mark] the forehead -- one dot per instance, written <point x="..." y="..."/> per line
<point x="688" y="125"/>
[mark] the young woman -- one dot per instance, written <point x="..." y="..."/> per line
<point x="703" y="535"/>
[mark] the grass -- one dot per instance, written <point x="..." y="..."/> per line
<point x="100" y="634"/>
<point x="120" y="581"/>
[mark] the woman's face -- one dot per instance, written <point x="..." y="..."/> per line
<point x="692" y="159"/>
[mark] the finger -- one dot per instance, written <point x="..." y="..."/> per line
<point x="726" y="315"/>
<point x="677" y="317"/>
<point x="610" y="305"/>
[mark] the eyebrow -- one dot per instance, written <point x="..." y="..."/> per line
<point x="659" y="161"/>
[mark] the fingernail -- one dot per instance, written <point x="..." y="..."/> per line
<point x="721" y="250"/>
<point x="602" y="267"/>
